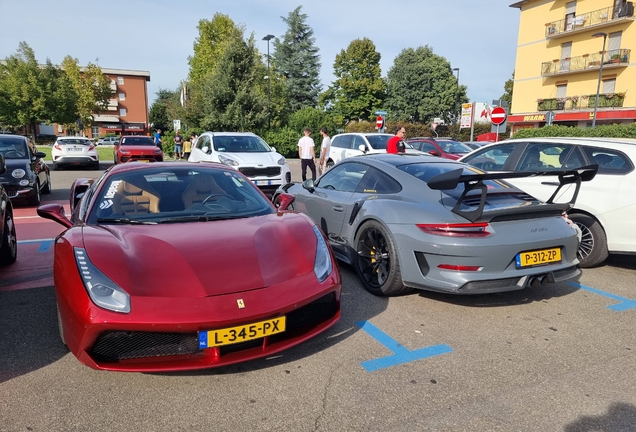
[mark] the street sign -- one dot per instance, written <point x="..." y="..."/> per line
<point x="379" y="122"/>
<point x="382" y="113"/>
<point x="176" y="125"/>
<point x="549" y="117"/>
<point x="498" y="115"/>
<point x="466" y="120"/>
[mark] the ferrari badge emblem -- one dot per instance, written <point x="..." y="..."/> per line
<point x="240" y="303"/>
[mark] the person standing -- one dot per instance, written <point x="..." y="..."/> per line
<point x="193" y="138"/>
<point x="158" y="141"/>
<point x="187" y="146"/>
<point x="396" y="143"/>
<point x="178" y="142"/>
<point x="325" y="147"/>
<point x="307" y="154"/>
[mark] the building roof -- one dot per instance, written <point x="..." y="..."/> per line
<point x="127" y="72"/>
<point x="519" y="4"/>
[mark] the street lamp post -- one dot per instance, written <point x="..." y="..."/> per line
<point x="269" y="79"/>
<point x="455" y="105"/>
<point x="600" y="76"/>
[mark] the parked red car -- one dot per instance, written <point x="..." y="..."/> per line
<point x="176" y="266"/>
<point x="444" y="147"/>
<point x="131" y="148"/>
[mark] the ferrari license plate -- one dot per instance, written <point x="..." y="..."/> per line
<point x="538" y="257"/>
<point x="232" y="335"/>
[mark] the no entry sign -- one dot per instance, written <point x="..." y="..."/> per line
<point x="379" y="122"/>
<point x="498" y="116"/>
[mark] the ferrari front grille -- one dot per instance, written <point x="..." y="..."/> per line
<point x="260" y="172"/>
<point x="113" y="346"/>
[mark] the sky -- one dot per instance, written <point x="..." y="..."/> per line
<point x="477" y="36"/>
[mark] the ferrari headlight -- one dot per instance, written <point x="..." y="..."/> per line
<point x="227" y="161"/>
<point x="18" y="173"/>
<point x="103" y="292"/>
<point x="281" y="161"/>
<point x="322" y="265"/>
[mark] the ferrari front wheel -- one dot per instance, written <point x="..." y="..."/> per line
<point x="377" y="262"/>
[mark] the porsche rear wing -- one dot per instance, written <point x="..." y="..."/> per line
<point x="451" y="179"/>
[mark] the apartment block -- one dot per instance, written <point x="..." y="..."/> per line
<point x="567" y="53"/>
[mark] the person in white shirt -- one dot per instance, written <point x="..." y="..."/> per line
<point x="324" y="150"/>
<point x="307" y="155"/>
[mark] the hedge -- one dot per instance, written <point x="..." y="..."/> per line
<point x="602" y="131"/>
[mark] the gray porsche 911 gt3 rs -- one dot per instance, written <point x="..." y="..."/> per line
<point x="409" y="221"/>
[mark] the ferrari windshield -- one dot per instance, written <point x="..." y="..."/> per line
<point x="240" y="144"/>
<point x="155" y="195"/>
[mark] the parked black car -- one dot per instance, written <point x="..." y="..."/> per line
<point x="27" y="174"/>
<point x="8" y="239"/>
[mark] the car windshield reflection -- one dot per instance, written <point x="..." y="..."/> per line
<point x="182" y="194"/>
<point x="12" y="148"/>
<point x="240" y="144"/>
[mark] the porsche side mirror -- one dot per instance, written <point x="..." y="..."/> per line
<point x="309" y="185"/>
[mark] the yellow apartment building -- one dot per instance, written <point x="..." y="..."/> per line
<point x="567" y="49"/>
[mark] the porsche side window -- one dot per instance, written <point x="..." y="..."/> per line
<point x="491" y="159"/>
<point x="344" y="177"/>
<point x="377" y="182"/>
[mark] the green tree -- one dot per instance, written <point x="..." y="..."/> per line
<point x="508" y="87"/>
<point x="159" y="113"/>
<point x="92" y="88"/>
<point x="297" y="59"/>
<point x="234" y="96"/>
<point x="209" y="46"/>
<point x="359" y="88"/>
<point x="421" y="86"/>
<point x="25" y="96"/>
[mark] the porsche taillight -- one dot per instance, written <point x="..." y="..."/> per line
<point x="478" y="229"/>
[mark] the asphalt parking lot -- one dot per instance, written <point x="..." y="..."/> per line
<point x="555" y="358"/>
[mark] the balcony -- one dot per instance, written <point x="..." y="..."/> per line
<point x="586" y="62"/>
<point x="595" y="19"/>
<point x="581" y="102"/>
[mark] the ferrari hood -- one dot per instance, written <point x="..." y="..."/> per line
<point x="201" y="259"/>
<point x="255" y="159"/>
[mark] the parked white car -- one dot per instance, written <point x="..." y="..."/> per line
<point x="247" y="153"/>
<point x="605" y="209"/>
<point x="347" y="145"/>
<point x="74" y="151"/>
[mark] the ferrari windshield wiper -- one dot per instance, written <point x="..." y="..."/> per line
<point x="125" y="221"/>
<point x="197" y="218"/>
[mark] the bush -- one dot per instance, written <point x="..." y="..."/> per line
<point x="285" y="140"/>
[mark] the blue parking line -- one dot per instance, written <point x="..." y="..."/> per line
<point x="400" y="353"/>
<point x="625" y="303"/>
<point x="45" y="245"/>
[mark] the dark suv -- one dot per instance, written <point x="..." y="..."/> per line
<point x="26" y="175"/>
<point x="447" y="148"/>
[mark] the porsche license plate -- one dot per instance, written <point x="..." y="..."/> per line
<point x="538" y="257"/>
<point x="232" y="335"/>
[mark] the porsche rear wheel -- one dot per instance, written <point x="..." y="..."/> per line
<point x="376" y="261"/>
<point x="593" y="247"/>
